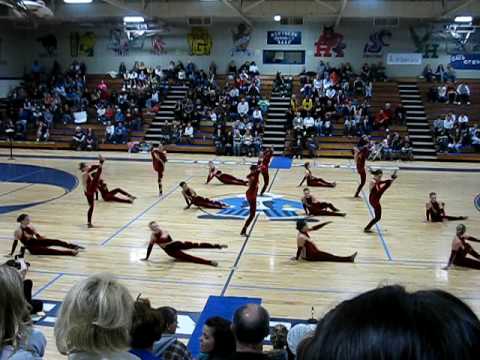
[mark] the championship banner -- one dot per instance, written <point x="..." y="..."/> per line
<point x="465" y="62"/>
<point x="284" y="37"/>
<point x="404" y="59"/>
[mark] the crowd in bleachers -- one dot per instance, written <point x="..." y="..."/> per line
<point x="455" y="133"/>
<point x="99" y="319"/>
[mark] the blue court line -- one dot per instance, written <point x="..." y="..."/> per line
<point x="163" y="197"/>
<point x="244" y="245"/>
<point x="47" y="285"/>
<point x="15" y="190"/>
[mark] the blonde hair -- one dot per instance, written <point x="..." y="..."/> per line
<point x="15" y="321"/>
<point x="95" y="316"/>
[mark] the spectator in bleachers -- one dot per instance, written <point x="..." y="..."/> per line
<point x="90" y="140"/>
<point x="463" y="93"/>
<point x="169" y="347"/>
<point x="95" y="319"/>
<point x="406" y="150"/>
<point x="440" y="73"/>
<point x="109" y="133"/>
<point x="475" y="133"/>
<point x="247" y="146"/>
<point x="237" y="140"/>
<point x="217" y="341"/>
<point x="18" y="339"/>
<point x="451" y="93"/>
<point x="442" y="95"/>
<point x="243" y="108"/>
<point x="188" y="134"/>
<point x="365" y="328"/>
<point x="43" y="132"/>
<point x="251" y="324"/>
<point x="428" y="73"/>
<point x="78" y="139"/>
<point x="121" y="134"/>
<point x="449" y="122"/>
<point x="450" y="74"/>
<point x="309" y="124"/>
<point x="442" y="141"/>
<point x="462" y="120"/>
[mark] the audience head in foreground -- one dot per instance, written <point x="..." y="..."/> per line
<point x="251" y="324"/>
<point x="95" y="320"/>
<point x="390" y="323"/>
<point x="217" y="340"/>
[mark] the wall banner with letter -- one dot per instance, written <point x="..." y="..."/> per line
<point x="465" y="61"/>
<point x="284" y="37"/>
<point x="404" y="59"/>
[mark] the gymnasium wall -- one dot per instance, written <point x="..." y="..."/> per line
<point x="14" y="52"/>
<point x="355" y="34"/>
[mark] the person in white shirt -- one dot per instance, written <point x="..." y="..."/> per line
<point x="463" y="120"/>
<point x="442" y="93"/>
<point x="327" y="83"/>
<point x="309" y="123"/>
<point x="243" y="108"/>
<point x="213" y="116"/>
<point x="257" y="116"/>
<point x="330" y="93"/>
<point x="463" y="92"/>
<point x="188" y="134"/>
<point x="318" y="86"/>
<point x="297" y="123"/>
<point x="234" y="92"/>
<point x="448" y="123"/>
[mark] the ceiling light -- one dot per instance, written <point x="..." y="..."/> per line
<point x="463" y="19"/>
<point x="277" y="18"/>
<point x="133" y="19"/>
<point x="77" y="1"/>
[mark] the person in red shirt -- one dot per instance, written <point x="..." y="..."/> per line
<point x="377" y="189"/>
<point x="314" y="181"/>
<point x="251" y="196"/>
<point x="360" y="155"/>
<point x="460" y="250"/>
<point x="307" y="250"/>
<point x="111" y="195"/>
<point x="313" y="207"/>
<point x="191" y="198"/>
<point x="159" y="158"/>
<point x="264" y="160"/>
<point x="175" y="249"/>
<point x="90" y="180"/>
<point x="228" y="179"/>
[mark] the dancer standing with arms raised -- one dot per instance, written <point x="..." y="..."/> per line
<point x="264" y="161"/>
<point x="90" y="181"/>
<point x="159" y="158"/>
<point x="251" y="196"/>
<point x="360" y="155"/>
<point x="377" y="188"/>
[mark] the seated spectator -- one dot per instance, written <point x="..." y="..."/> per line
<point x="442" y="93"/>
<point x="442" y="142"/>
<point x="428" y="73"/>
<point x="95" y="319"/>
<point x="121" y="134"/>
<point x="257" y="116"/>
<point x="78" y="139"/>
<point x="449" y="122"/>
<point x="348" y="128"/>
<point x="43" y="132"/>
<point x="381" y="120"/>
<point x="243" y="108"/>
<point x="247" y="144"/>
<point x="365" y="328"/>
<point x="451" y="93"/>
<point x="476" y="139"/>
<point x="90" y="140"/>
<point x="309" y="124"/>
<point x="312" y="146"/>
<point x="169" y="347"/>
<point x="217" y="341"/>
<point x="462" y="120"/>
<point x="147" y="327"/>
<point x="297" y="334"/>
<point x="188" y="134"/>
<point x="432" y="95"/>
<point x="251" y="324"/>
<point x="440" y="73"/>
<point x="109" y="133"/>
<point x="18" y="339"/>
<point x="406" y="150"/>
<point x="307" y="104"/>
<point x="450" y="74"/>
<point x="237" y="140"/>
<point x="463" y="94"/>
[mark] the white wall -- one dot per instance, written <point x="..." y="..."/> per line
<point x="356" y="34"/>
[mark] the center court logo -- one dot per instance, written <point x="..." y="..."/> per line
<point x="272" y="206"/>
<point x="476" y="202"/>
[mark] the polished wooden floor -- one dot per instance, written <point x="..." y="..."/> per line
<point x="406" y="251"/>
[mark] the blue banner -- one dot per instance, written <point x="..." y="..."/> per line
<point x="284" y="37"/>
<point x="465" y="61"/>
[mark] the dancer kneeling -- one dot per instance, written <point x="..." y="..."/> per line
<point x="175" y="248"/>
<point x="314" y="207"/>
<point x="307" y="250"/>
<point x="191" y="198"/>
<point x="37" y="244"/>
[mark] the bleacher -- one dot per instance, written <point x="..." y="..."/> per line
<point x="436" y="110"/>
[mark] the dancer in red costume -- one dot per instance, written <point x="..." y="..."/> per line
<point x="90" y="179"/>
<point x="111" y="195"/>
<point x="460" y="250"/>
<point x="377" y="188"/>
<point x="228" y="179"/>
<point x="37" y="244"/>
<point x="159" y="158"/>
<point x="175" y="248"/>
<point x="264" y="161"/>
<point x="307" y="250"/>
<point x="314" y="181"/>
<point x="360" y="155"/>
<point x="435" y="210"/>
<point x="191" y="198"/>
<point x="314" y="207"/>
<point x="251" y="196"/>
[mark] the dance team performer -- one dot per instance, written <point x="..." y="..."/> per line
<point x="314" y="181"/>
<point x="175" y="249"/>
<point x="360" y="155"/>
<point x="37" y="244"/>
<point x="460" y="250"/>
<point x="111" y="195"/>
<point x="307" y="250"/>
<point x="251" y="195"/>
<point x="90" y="179"/>
<point x="314" y="207"/>
<point x="264" y="160"/>
<point x="435" y="210"/>
<point x="377" y="188"/>
<point x="228" y="179"/>
<point x="191" y="198"/>
<point x="159" y="158"/>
